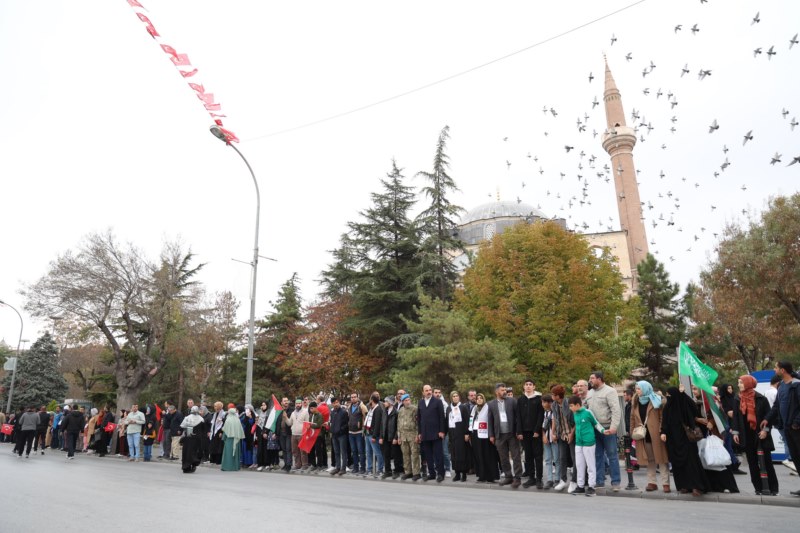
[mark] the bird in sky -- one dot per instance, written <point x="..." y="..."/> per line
<point x="568" y="148"/>
<point x="685" y="69"/>
<point x="658" y="93"/>
<point x="613" y="39"/>
<point x="725" y="165"/>
<point x="508" y="164"/>
<point x="771" y="52"/>
<point x="703" y="73"/>
<point x="744" y="187"/>
<point x="652" y="65"/>
<point x="505" y="138"/>
<point x="673" y="104"/>
<point x="775" y="158"/>
<point x="785" y="112"/>
<point x="646" y="91"/>
<point x="793" y="41"/>
<point x="629" y="56"/>
<point x="678" y="28"/>
<point x="748" y="137"/>
<point x="553" y="112"/>
<point x="794" y="161"/>
<point x="713" y="127"/>
<point x="595" y="103"/>
<point x="695" y="29"/>
<point x="591" y="77"/>
<point x="756" y="51"/>
<point x="793" y="123"/>
<point x="725" y="148"/>
<point x="645" y="72"/>
<point x="756" y="19"/>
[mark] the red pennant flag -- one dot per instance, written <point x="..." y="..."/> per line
<point x="149" y="25"/>
<point x="168" y="49"/>
<point x="187" y="73"/>
<point x="229" y="135"/>
<point x="158" y="413"/>
<point x="309" y="437"/>
<point x="197" y="87"/>
<point x="135" y="3"/>
<point x="181" y="60"/>
<point x="213" y="107"/>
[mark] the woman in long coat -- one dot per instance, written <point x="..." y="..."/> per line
<point x="193" y="432"/>
<point x="233" y="435"/>
<point x="457" y="416"/>
<point x="747" y="417"/>
<point x="484" y="451"/>
<point x="248" y="418"/>
<point x="687" y="470"/>
<point x="651" y="450"/>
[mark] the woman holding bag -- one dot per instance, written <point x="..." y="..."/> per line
<point x="679" y="416"/>
<point x="645" y="424"/>
<point x="752" y="409"/>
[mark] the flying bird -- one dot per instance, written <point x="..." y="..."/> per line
<point x="793" y="41"/>
<point x="568" y="148"/>
<point x="629" y="56"/>
<point x="613" y="39"/>
<point x="508" y="163"/>
<point x="695" y="29"/>
<point x="748" y="137"/>
<point x="725" y="165"/>
<point x="678" y="28"/>
<point x="756" y="51"/>
<point x="713" y="127"/>
<point x="645" y="72"/>
<point x="505" y="138"/>
<point x="703" y="73"/>
<point x="724" y="148"/>
<point x="595" y="103"/>
<point x="785" y="112"/>
<point x="756" y="19"/>
<point x="646" y="91"/>
<point x="775" y="158"/>
<point x="794" y="161"/>
<point x="652" y="65"/>
<point x="685" y="69"/>
<point x="793" y="123"/>
<point x="771" y="52"/>
<point x="591" y="77"/>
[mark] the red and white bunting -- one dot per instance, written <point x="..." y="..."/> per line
<point x="182" y="60"/>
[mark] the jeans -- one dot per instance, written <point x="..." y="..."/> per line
<point x="72" y="439"/>
<point x="552" y="464"/>
<point x="606" y="447"/>
<point x="729" y="446"/>
<point x="133" y="445"/>
<point x="446" y="451"/>
<point x="357" y="449"/>
<point x="339" y="458"/>
<point x="148" y="451"/>
<point x="373" y="449"/>
<point x="56" y="442"/>
<point x="286" y="448"/>
<point x="166" y="445"/>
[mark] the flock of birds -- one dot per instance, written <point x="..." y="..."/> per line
<point x="659" y="211"/>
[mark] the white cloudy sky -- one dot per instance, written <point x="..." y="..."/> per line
<point x="100" y="131"/>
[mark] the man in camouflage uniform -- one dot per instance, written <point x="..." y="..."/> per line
<point x="409" y="439"/>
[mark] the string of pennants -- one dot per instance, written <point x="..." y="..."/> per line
<point x="185" y="68"/>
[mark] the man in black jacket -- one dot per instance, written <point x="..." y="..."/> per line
<point x="175" y="432"/>
<point x="339" y="420"/>
<point x="41" y="430"/>
<point x="391" y="446"/>
<point x="73" y="425"/>
<point x="530" y="416"/>
<point x="166" y="441"/>
<point x="432" y="427"/>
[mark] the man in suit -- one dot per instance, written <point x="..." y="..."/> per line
<point x="432" y="427"/>
<point x="504" y="435"/>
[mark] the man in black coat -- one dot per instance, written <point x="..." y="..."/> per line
<point x="504" y="434"/>
<point x="432" y="428"/>
<point x="175" y="432"/>
<point x="530" y="417"/>
<point x="73" y="426"/>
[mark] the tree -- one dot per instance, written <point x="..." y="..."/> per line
<point x="664" y="315"/>
<point x="437" y="223"/>
<point x="448" y="355"/>
<point x="38" y="379"/>
<point x="131" y="301"/>
<point x="542" y="290"/>
<point x="328" y="358"/>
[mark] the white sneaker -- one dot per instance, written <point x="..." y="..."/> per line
<point x="789" y="464"/>
<point x="260" y="468"/>
<point x="561" y="486"/>
<point x="572" y="487"/>
<point x="447" y="474"/>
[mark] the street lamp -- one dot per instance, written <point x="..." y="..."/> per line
<point x="616" y="325"/>
<point x="19" y="342"/>
<point x="248" y="390"/>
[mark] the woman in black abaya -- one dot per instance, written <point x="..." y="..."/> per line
<point x="687" y="470"/>
<point x="194" y="430"/>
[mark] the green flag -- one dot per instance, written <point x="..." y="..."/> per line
<point x="703" y="376"/>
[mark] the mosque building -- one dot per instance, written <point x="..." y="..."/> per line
<point x="628" y="245"/>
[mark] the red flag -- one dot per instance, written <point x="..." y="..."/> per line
<point x="149" y="25"/>
<point x="8" y="429"/>
<point x="187" y="73"/>
<point x="181" y="60"/>
<point x="168" y="49"/>
<point x="309" y="437"/>
<point x="158" y="413"/>
<point x="198" y="87"/>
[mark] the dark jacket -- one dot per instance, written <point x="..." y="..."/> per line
<point x="175" y="429"/>
<point x="74" y="422"/>
<point x="166" y="420"/>
<point x="530" y="414"/>
<point x="356" y="418"/>
<point x="739" y="423"/>
<point x="44" y="420"/>
<point x="339" y="420"/>
<point x="494" y="417"/>
<point x="390" y="432"/>
<point x="286" y="431"/>
<point x="430" y="419"/>
<point x="774" y="416"/>
<point x="378" y="423"/>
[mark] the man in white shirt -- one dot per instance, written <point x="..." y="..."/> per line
<point x="133" y="429"/>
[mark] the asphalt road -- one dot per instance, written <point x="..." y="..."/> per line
<point x="50" y="493"/>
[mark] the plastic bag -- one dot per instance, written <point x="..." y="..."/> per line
<point x="713" y="454"/>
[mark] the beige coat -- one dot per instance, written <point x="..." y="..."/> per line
<point x="653" y="428"/>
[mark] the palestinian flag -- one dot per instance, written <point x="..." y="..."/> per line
<point x="274" y="414"/>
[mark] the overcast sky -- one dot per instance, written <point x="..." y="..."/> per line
<point x="100" y="131"/>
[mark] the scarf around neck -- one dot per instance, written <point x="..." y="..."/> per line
<point x="648" y="395"/>
<point x="747" y="400"/>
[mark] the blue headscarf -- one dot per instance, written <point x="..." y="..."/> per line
<point x="648" y="395"/>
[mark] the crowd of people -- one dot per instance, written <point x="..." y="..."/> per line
<point x="555" y="440"/>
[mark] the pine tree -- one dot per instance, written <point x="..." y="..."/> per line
<point x="664" y="315"/>
<point x="38" y="379"/>
<point x="437" y="223"/>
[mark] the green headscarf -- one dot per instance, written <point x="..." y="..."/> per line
<point x="233" y="429"/>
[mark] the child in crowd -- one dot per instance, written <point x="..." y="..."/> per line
<point x="585" y="425"/>
<point x="148" y="438"/>
<point x="550" y="432"/>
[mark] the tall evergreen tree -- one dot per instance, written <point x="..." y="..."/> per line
<point x="664" y="315"/>
<point x="437" y="223"/>
<point x="38" y="379"/>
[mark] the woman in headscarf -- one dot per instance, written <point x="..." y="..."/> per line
<point x="457" y="416"/>
<point x="233" y="434"/>
<point x="248" y="418"/>
<point x="680" y="413"/>
<point x="88" y="434"/>
<point x="751" y="411"/>
<point x="261" y="436"/>
<point x="193" y="431"/>
<point x="216" y="438"/>
<point x="729" y="402"/>
<point x="484" y="451"/>
<point x="646" y="411"/>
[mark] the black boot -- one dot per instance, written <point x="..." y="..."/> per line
<point x="457" y="477"/>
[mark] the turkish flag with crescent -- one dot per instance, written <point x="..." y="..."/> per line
<point x="309" y="437"/>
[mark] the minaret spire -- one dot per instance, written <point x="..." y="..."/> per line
<point x="618" y="141"/>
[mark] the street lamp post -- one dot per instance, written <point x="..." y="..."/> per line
<point x="616" y="325"/>
<point x="248" y="391"/>
<point x="14" y="372"/>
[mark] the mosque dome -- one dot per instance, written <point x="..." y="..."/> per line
<point x="484" y="221"/>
